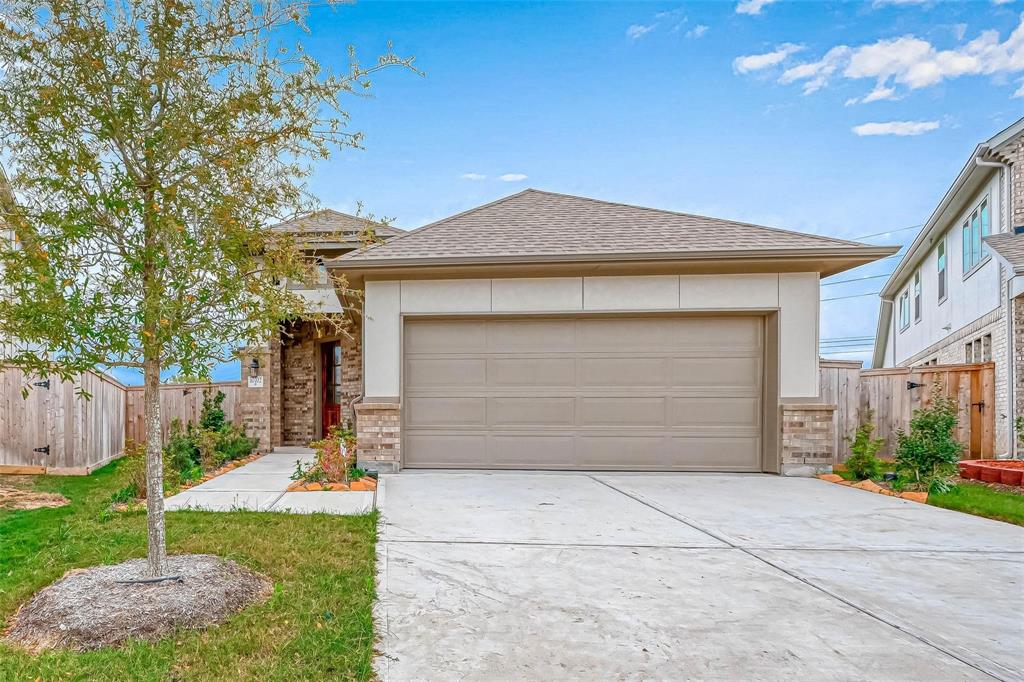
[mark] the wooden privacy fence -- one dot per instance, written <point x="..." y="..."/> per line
<point x="57" y="430"/>
<point x="178" y="401"/>
<point x="893" y="394"/>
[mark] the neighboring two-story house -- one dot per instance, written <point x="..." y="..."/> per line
<point x="948" y="298"/>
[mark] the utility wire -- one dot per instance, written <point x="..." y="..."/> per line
<point x="856" y="279"/>
<point x="840" y="298"/>
<point x="880" y="234"/>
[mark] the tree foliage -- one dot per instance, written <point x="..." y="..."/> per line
<point x="929" y="453"/>
<point x="150" y="142"/>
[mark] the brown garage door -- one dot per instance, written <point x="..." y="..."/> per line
<point x="656" y="393"/>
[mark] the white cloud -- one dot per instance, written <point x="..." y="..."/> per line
<point x="512" y="177"/>
<point x="697" y="31"/>
<point x="473" y="176"/>
<point x="882" y="3"/>
<point x="752" y="6"/>
<point x="959" y="30"/>
<point x="900" y="128"/>
<point x="816" y="74"/>
<point x="639" y="30"/>
<point x="910" y="62"/>
<point x="756" y="62"/>
<point x="1020" y="91"/>
<point x="1001" y="2"/>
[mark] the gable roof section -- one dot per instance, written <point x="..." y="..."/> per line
<point x="537" y="226"/>
<point x="1010" y="247"/>
<point x="333" y="226"/>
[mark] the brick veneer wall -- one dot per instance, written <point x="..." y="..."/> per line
<point x="300" y="381"/>
<point x="259" y="408"/>
<point x="808" y="439"/>
<point x="379" y="431"/>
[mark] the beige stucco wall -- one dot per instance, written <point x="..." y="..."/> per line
<point x="794" y="295"/>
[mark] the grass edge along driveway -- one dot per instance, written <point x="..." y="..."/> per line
<point x="317" y="625"/>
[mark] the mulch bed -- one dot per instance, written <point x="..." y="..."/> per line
<point x="15" y="498"/>
<point x="366" y="483"/>
<point x="92" y="608"/>
<point x="1012" y="489"/>
<point x="230" y="466"/>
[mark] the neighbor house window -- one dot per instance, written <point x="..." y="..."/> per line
<point x="904" y="310"/>
<point x="978" y="350"/>
<point x="917" y="296"/>
<point x="975" y="227"/>
<point x="942" y="270"/>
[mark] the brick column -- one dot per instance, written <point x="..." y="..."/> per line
<point x="808" y="439"/>
<point x="379" y="431"/>
<point x="260" y="408"/>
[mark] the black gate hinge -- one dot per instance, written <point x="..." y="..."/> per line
<point x="45" y="449"/>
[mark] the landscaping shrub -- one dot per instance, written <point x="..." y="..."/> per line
<point x="863" y="461"/>
<point x="193" y="449"/>
<point x="927" y="456"/>
<point x="335" y="459"/>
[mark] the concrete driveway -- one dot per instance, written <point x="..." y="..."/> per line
<point x="502" y="576"/>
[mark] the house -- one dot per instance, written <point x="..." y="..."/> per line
<point x="947" y="300"/>
<point x="547" y="331"/>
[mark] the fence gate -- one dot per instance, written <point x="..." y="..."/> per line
<point x="25" y="423"/>
<point x="893" y="395"/>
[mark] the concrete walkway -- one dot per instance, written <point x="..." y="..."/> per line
<point x="262" y="486"/>
<point x="522" y="576"/>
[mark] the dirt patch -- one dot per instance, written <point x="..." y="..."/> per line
<point x="1012" y="489"/>
<point x="93" y="608"/>
<point x="15" y="498"/>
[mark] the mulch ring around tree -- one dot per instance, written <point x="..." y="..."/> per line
<point x="15" y="498"/>
<point x="98" y="607"/>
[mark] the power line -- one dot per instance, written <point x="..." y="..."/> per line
<point x="856" y="279"/>
<point x="845" y="352"/>
<point x="840" y="298"/>
<point x="880" y="234"/>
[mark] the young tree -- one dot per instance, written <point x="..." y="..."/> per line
<point x="150" y="142"/>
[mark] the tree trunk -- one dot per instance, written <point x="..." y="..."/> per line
<point x="154" y="469"/>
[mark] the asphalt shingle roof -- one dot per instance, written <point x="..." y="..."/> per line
<point x="1010" y="246"/>
<point x="329" y="221"/>
<point x="536" y="223"/>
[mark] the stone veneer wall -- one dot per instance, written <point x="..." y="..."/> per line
<point x="379" y="434"/>
<point x="808" y="439"/>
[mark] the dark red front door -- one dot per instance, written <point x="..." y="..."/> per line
<point x="330" y="385"/>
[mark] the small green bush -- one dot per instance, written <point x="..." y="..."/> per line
<point x="927" y="456"/>
<point x="196" y="448"/>
<point x="863" y="461"/>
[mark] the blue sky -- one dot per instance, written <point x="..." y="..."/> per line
<point x="752" y="111"/>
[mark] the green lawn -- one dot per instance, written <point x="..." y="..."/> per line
<point x="317" y="624"/>
<point x="980" y="500"/>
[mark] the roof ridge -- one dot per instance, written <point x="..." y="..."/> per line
<point x="407" y="233"/>
<point x="845" y="242"/>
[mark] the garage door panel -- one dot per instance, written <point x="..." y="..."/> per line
<point x="532" y="411"/>
<point x="445" y="336"/>
<point x="618" y="451"/>
<point x="447" y="450"/>
<point x="662" y="393"/>
<point x="445" y="411"/>
<point x="717" y="453"/>
<point x="620" y="372"/>
<point x="530" y="336"/>
<point x="532" y="452"/>
<point x="615" y="334"/>
<point x="622" y="411"/>
<point x="445" y="371"/>
<point x="532" y="372"/>
<point x="710" y="411"/>
<point x="717" y="374"/>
